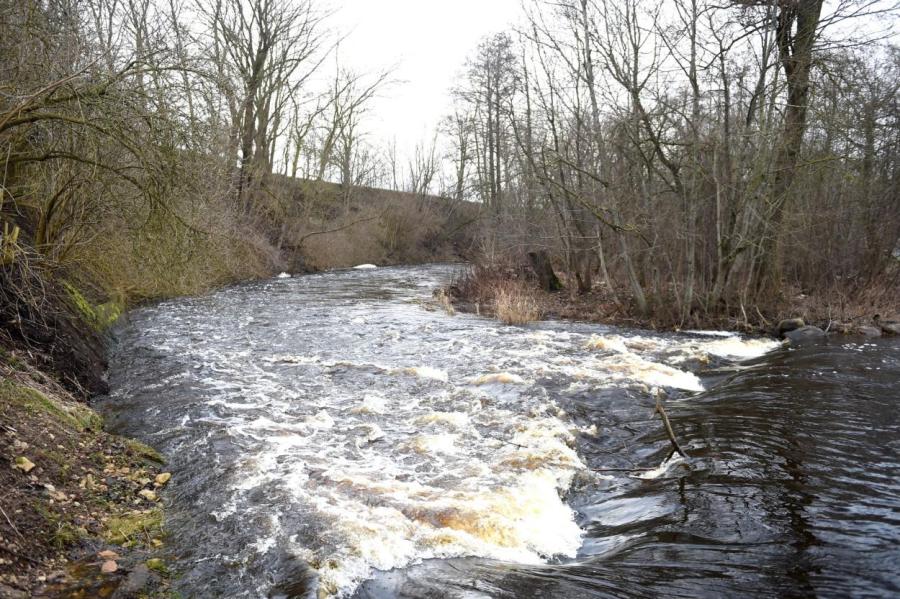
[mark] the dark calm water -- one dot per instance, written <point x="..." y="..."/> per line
<point x="330" y="436"/>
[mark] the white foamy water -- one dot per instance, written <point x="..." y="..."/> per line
<point x="341" y="424"/>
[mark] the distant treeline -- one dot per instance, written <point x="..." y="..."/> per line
<point x="702" y="159"/>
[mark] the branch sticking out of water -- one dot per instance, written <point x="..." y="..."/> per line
<point x="668" y="426"/>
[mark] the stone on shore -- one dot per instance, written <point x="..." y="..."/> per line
<point x="869" y="331"/>
<point x="806" y="334"/>
<point x="890" y="328"/>
<point x="788" y="325"/>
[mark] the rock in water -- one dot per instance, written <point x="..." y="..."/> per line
<point x="135" y="583"/>
<point x="807" y="334"/>
<point x="869" y="331"/>
<point x="888" y="327"/>
<point x="788" y="325"/>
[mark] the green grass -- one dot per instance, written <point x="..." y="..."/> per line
<point x="34" y="402"/>
<point x="136" y="528"/>
<point x="144" y="451"/>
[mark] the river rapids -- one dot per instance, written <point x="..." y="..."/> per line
<point x="331" y="435"/>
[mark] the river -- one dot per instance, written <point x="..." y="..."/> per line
<point x="331" y="435"/>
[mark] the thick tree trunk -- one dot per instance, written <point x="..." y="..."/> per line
<point x="795" y="52"/>
<point x="540" y="263"/>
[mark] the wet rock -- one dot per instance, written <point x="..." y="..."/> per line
<point x="869" y="331"/>
<point x="135" y="584"/>
<point x="891" y="328"/>
<point x="7" y="592"/>
<point x="109" y="567"/>
<point x="788" y="325"/>
<point x="58" y="576"/>
<point x="806" y="334"/>
<point x="108" y="555"/>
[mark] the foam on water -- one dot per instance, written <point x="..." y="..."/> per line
<point x="383" y="450"/>
<point x="662" y="469"/>
<point x="499" y="378"/>
<point x="395" y="497"/>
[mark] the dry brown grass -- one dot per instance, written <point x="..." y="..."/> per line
<point x="324" y="229"/>
<point x="501" y="291"/>
<point x="515" y="303"/>
<point x="445" y="301"/>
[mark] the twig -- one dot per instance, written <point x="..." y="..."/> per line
<point x="668" y="426"/>
<point x="13" y="526"/>
<point x="19" y="555"/>
<point x="762" y="318"/>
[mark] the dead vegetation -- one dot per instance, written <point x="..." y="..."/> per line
<point x="836" y="311"/>
<point x="510" y="295"/>
<point x="515" y="304"/>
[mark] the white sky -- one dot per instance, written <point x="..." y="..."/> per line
<point x="428" y="41"/>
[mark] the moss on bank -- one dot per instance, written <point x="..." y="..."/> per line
<point x="34" y="402"/>
<point x="100" y="316"/>
<point x="139" y="528"/>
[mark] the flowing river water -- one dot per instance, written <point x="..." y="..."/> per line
<point x="331" y="436"/>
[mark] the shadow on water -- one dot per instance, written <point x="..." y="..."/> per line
<point x="792" y="488"/>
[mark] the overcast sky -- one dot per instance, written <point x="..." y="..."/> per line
<point x="428" y="41"/>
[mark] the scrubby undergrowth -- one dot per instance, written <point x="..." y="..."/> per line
<point x="509" y="289"/>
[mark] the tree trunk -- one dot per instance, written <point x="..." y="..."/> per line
<point x="540" y="263"/>
<point x="795" y="50"/>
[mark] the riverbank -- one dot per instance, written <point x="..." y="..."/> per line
<point x="82" y="513"/>
<point x="514" y="296"/>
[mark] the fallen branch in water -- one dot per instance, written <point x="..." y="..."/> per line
<point x="668" y="426"/>
<point x="622" y="469"/>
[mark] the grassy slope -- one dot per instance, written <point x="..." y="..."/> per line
<point x="324" y="228"/>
